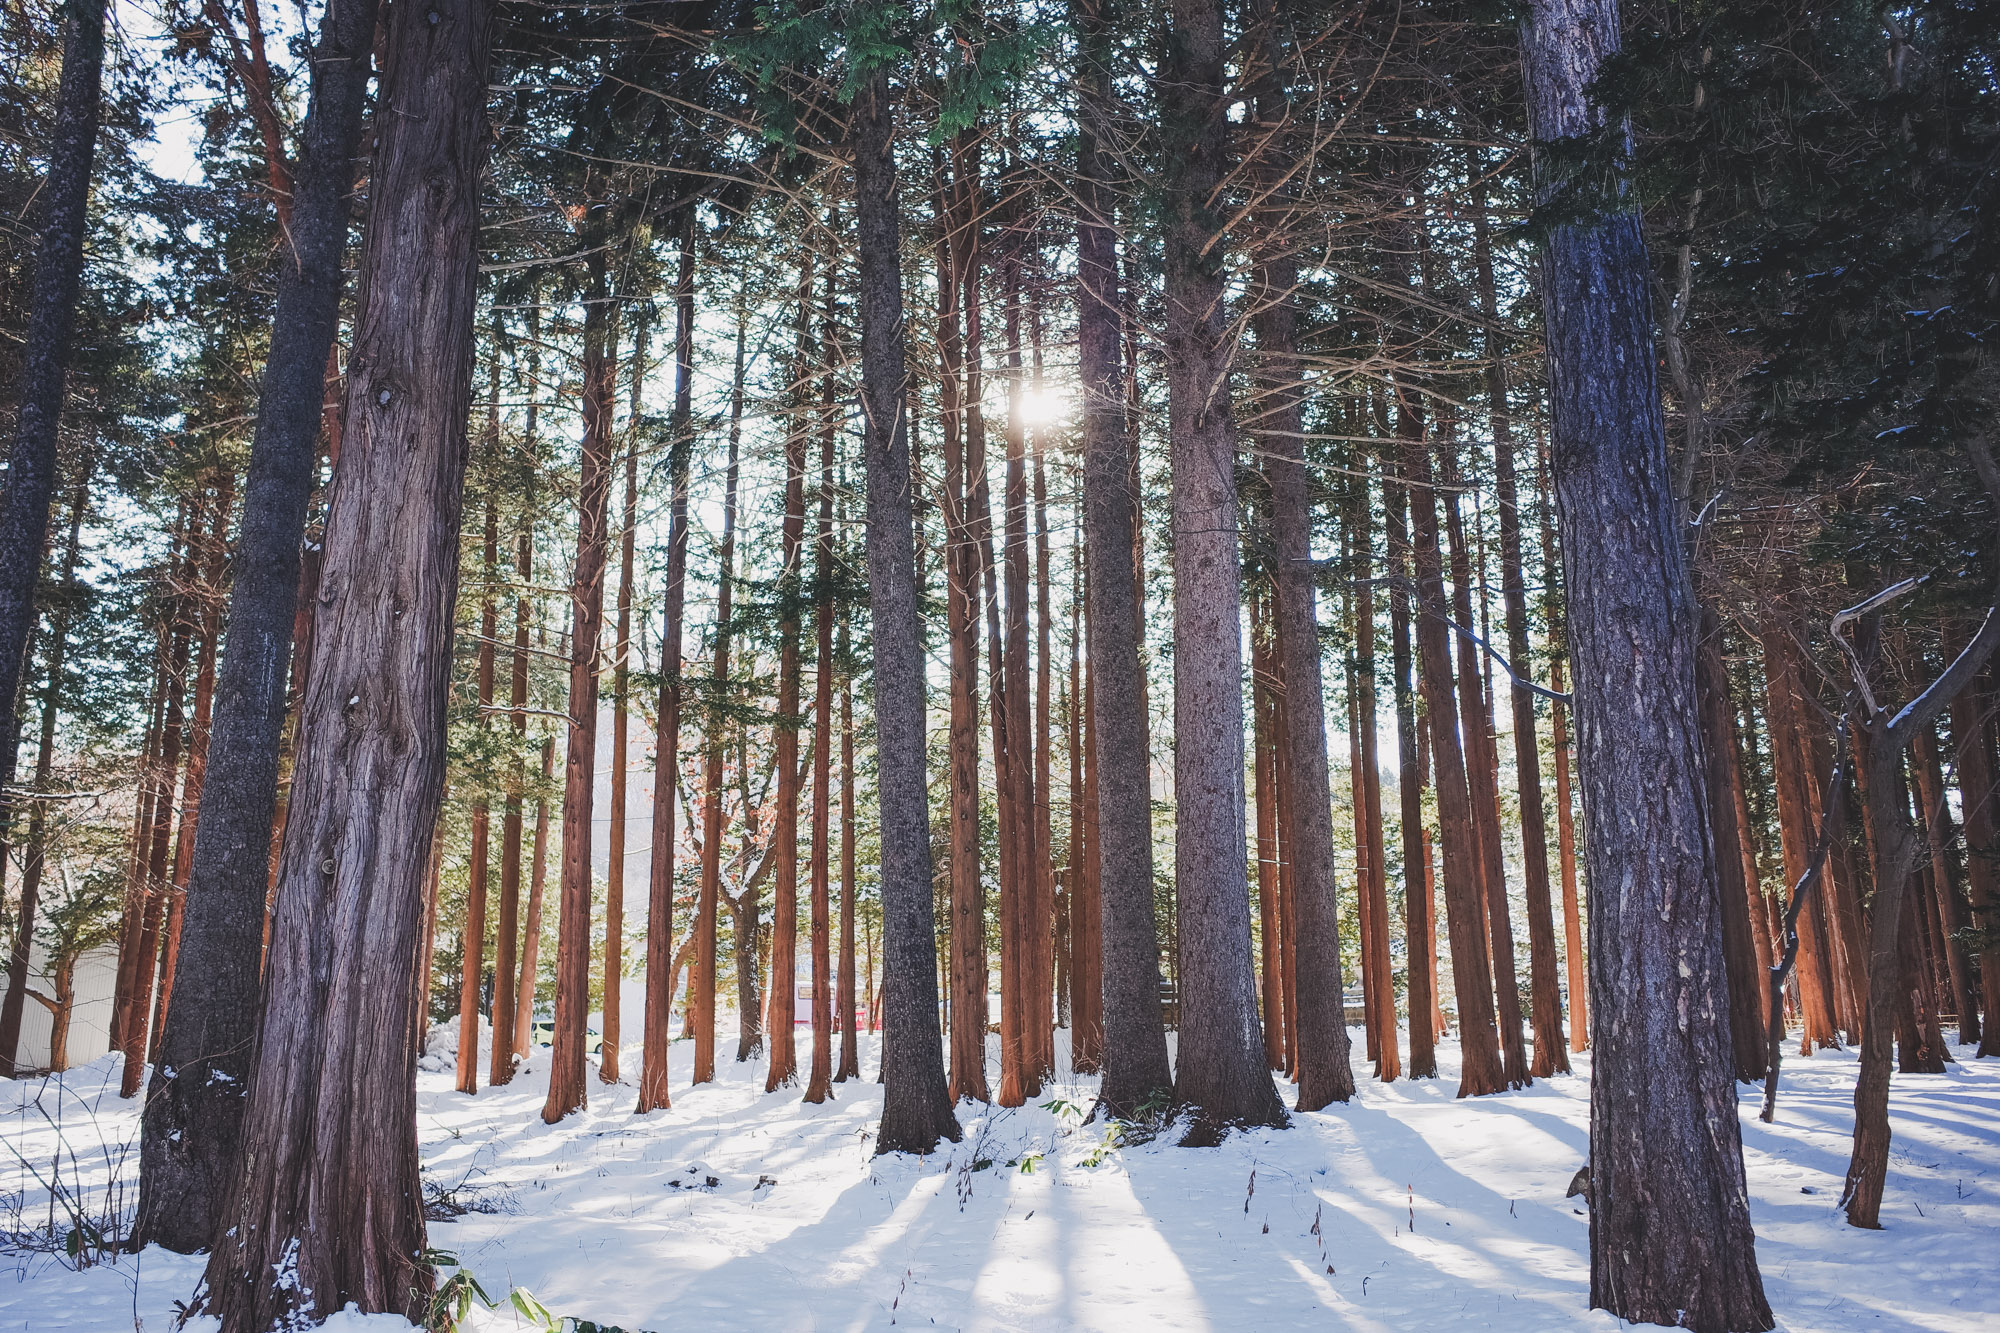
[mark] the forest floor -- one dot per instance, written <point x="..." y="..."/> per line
<point x="741" y="1210"/>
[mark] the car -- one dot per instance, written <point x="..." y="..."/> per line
<point x="543" y="1033"/>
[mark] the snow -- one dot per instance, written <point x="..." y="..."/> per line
<point x="1407" y="1208"/>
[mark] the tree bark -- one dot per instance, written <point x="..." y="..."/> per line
<point x="531" y="928"/>
<point x="1670" y="1236"/>
<point x="702" y="979"/>
<point x="1480" y="1070"/>
<point x="850" y="1044"/>
<point x="506" y="954"/>
<point x="1979" y="806"/>
<point x="192" y="1130"/>
<point x="473" y="964"/>
<point x="328" y="1208"/>
<point x="1134" y="1052"/>
<point x="654" y="1093"/>
<point x="785" y="835"/>
<point x="916" y="1111"/>
<point x="52" y="302"/>
<point x="1221" y="1077"/>
<point x="1545" y="1003"/>
<point x="1482" y="781"/>
<point x="567" y="1090"/>
<point x="621" y="673"/>
<point x="820" y="1079"/>
<point x="1419" y="922"/>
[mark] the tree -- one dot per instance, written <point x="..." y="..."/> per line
<point x="327" y="1205"/>
<point x="916" y="1112"/>
<point x="192" y="1131"/>
<point x="31" y="463"/>
<point x="567" y="1091"/>
<point x="1221" y="1075"/>
<point x="1670" y="1237"/>
<point x="1134" y="1059"/>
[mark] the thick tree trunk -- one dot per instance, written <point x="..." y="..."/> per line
<point x="1670" y="1237"/>
<point x="52" y="302"/>
<point x="192" y="1131"/>
<point x="1134" y="1052"/>
<point x="654" y="1093"/>
<point x="328" y="1208"/>
<point x="916" y="1111"/>
<point x="1221" y="1076"/>
<point x="567" y="1089"/>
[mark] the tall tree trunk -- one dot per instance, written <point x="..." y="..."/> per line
<point x="208" y="595"/>
<point x="1545" y="1001"/>
<point x="1979" y="804"/>
<point x="1021" y="1041"/>
<point x="1045" y="922"/>
<point x="1372" y="850"/>
<point x="1796" y="801"/>
<point x="1419" y="924"/>
<point x="52" y="302"/>
<point x="1264" y="767"/>
<point x="473" y="965"/>
<point x="1670" y="1237"/>
<point x="1134" y="1060"/>
<point x="1475" y="718"/>
<point x="1739" y="953"/>
<point x="1480" y="1069"/>
<point x="192" y="1131"/>
<point x="531" y="925"/>
<point x="328" y="1207"/>
<point x="1573" y="961"/>
<point x="1221" y="1077"/>
<point x="701" y="982"/>
<point x="819" y="1081"/>
<point x="158" y="882"/>
<point x="967" y="973"/>
<point x="34" y="852"/>
<point x="621" y="684"/>
<point x="506" y="954"/>
<point x="567" y="1090"/>
<point x="916" y="1111"/>
<point x="653" y="1081"/>
<point x="785" y="835"/>
<point x="850" y="1046"/>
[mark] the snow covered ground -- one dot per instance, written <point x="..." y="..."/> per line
<point x="741" y="1210"/>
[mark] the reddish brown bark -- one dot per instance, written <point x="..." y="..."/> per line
<point x="567" y="1091"/>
